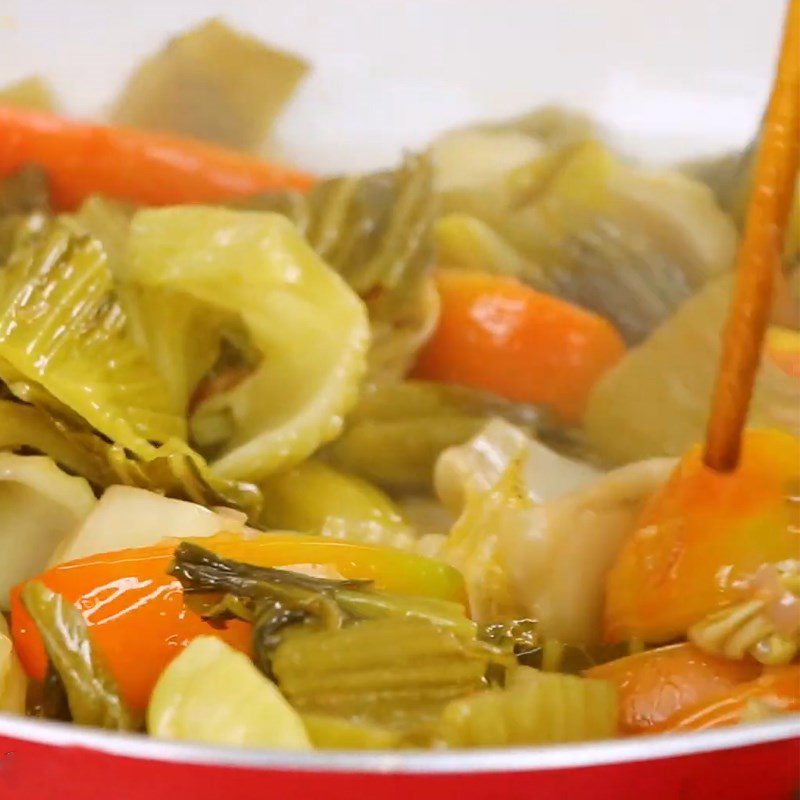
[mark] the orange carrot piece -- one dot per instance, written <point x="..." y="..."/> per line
<point x="759" y="256"/>
<point x="136" y="614"/>
<point x="148" y="168"/>
<point x="776" y="691"/>
<point x="657" y="684"/>
<point x="700" y="537"/>
<point x="497" y="334"/>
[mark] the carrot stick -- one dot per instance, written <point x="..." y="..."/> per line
<point x="759" y="255"/>
<point x="149" y="168"/>
<point x="498" y="334"/>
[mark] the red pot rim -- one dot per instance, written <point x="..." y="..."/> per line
<point x="509" y="759"/>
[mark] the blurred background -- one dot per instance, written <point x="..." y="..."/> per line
<point x="678" y="77"/>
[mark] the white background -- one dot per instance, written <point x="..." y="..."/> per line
<point x="672" y="77"/>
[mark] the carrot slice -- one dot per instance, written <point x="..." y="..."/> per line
<point x="498" y="334"/>
<point x="776" y="691"/>
<point x="148" y="168"/>
<point x="657" y="684"/>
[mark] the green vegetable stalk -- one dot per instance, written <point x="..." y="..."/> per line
<point x="91" y="692"/>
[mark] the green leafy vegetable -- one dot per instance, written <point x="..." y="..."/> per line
<point x="211" y="83"/>
<point x="173" y="469"/>
<point x="91" y="691"/>
<point x="212" y="693"/>
<point x="62" y="329"/>
<point x="180" y="336"/>
<point x="577" y="222"/>
<point x="375" y="231"/>
<point x="310" y="328"/>
<point x="275" y="600"/>
<point x="398" y="430"/>
<point x="534" y="708"/>
<point x="397" y="672"/>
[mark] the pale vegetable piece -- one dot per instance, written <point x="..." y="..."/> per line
<point x="311" y="329"/>
<point x="471" y="158"/>
<point x="39" y="506"/>
<point x="214" y="694"/>
<point x="375" y="231"/>
<point x="316" y="498"/>
<point x="627" y="243"/>
<point x="655" y="401"/>
<point x="32" y="92"/>
<point x="477" y="465"/>
<point x="547" y="562"/>
<point x="558" y="559"/>
<point x="214" y="83"/>
<point x="335" y="733"/>
<point x="126" y="517"/>
<point x="534" y="708"/>
<point x="13" y="683"/>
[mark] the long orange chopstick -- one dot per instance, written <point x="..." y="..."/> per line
<point x="759" y="255"/>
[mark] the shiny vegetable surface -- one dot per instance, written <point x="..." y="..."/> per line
<point x="82" y="159"/>
<point x="306" y="323"/>
<point x="776" y="691"/>
<point x="90" y="688"/>
<point x="701" y="536"/>
<point x="212" y="693"/>
<point x="656" y="685"/>
<point x="534" y="708"/>
<point x="136" y="614"/>
<point x="498" y="335"/>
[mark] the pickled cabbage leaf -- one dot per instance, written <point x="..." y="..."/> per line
<point x="63" y="334"/>
<point x="211" y="82"/>
<point x="173" y="469"/>
<point x="522" y="558"/>
<point x="477" y="465"/>
<point x="656" y="400"/>
<point x="310" y="328"/>
<point x="398" y="430"/>
<point x="577" y="222"/>
<point x="180" y="336"/>
<point x="533" y="708"/>
<point x="375" y="231"/>
<point x="398" y="672"/>
<point x="39" y="506"/>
